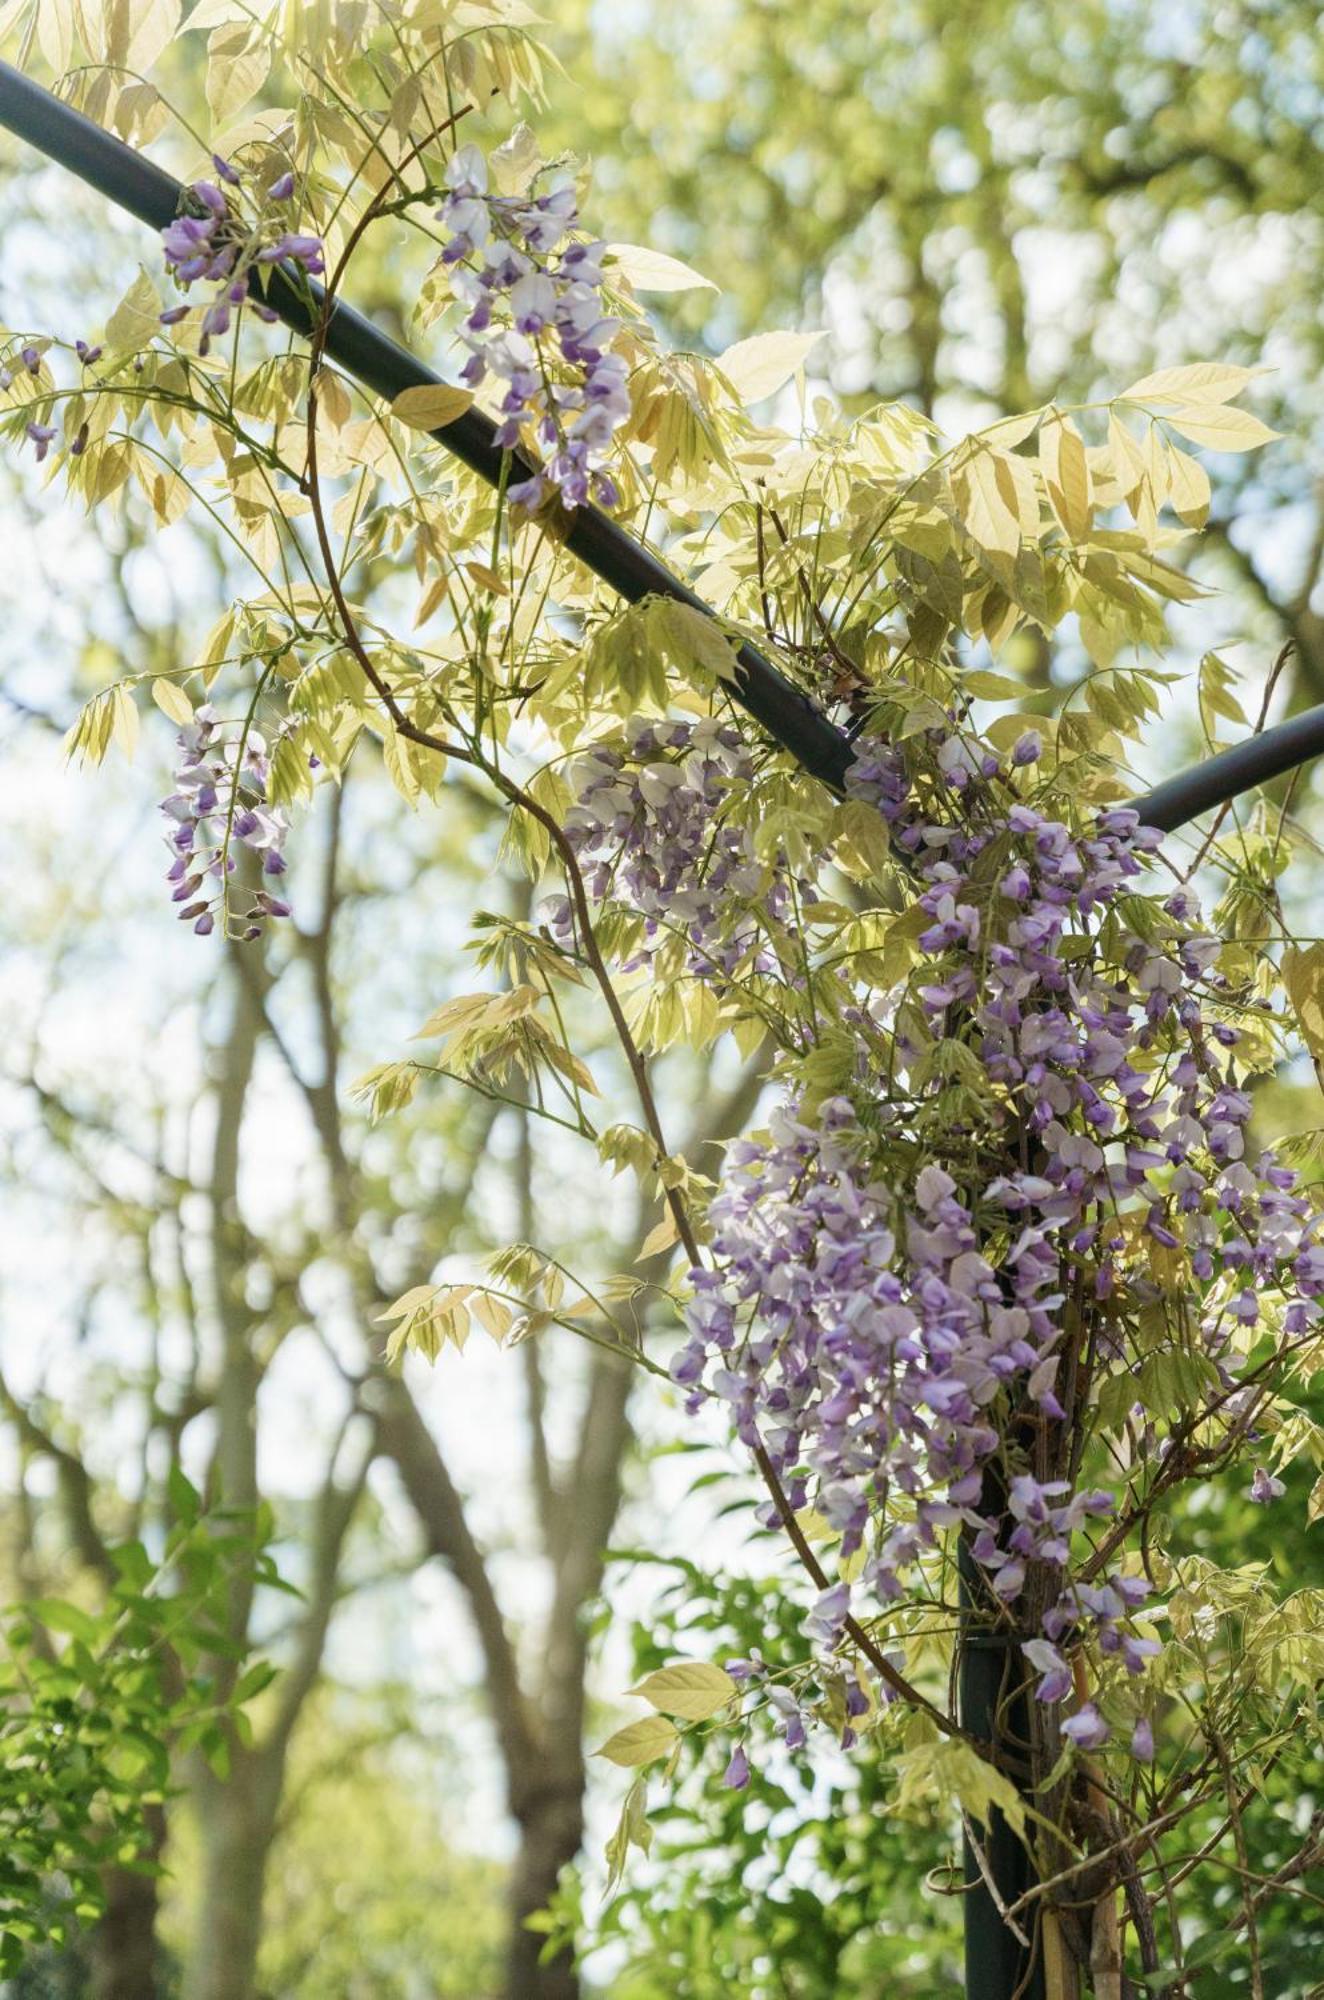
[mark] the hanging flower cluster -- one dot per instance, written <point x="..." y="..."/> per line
<point x="220" y="798"/>
<point x="649" y="817"/>
<point x="216" y="245"/>
<point x="881" y="1326"/>
<point x="43" y="436"/>
<point x="564" y="383"/>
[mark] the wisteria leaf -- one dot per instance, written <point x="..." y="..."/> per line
<point x="691" y="1689"/>
<point x="1201" y="382"/>
<point x="756" y="368"/>
<point x="432" y="405"/>
<point x="653" y="271"/>
<point x="1228" y="430"/>
<point x="642" y="1742"/>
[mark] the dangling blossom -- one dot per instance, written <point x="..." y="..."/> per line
<point x="214" y="244"/>
<point x="1264" y="1487"/>
<point x="220" y="799"/>
<point x="512" y="256"/>
<point x="652" y="816"/>
<point x="736" y="1775"/>
<point x="1087" y="1728"/>
<point x="854" y="1318"/>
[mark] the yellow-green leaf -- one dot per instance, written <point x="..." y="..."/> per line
<point x="692" y="1689"/>
<point x="1220" y="429"/>
<point x="759" y="366"/>
<point x="693" y="633"/>
<point x="1067" y="476"/>
<point x="137" y="34"/>
<point x="987" y="496"/>
<point x="659" y="1238"/>
<point x="1188" y="488"/>
<point x="431" y="406"/>
<point x="642" y="1742"/>
<point x="860" y="840"/>
<point x="334" y="398"/>
<point x="1303" y="976"/>
<point x="238" y="59"/>
<point x="125" y="730"/>
<point x="1202" y="382"/>
<point x="993" y="687"/>
<point x="493" y="1315"/>
<point x="136" y="320"/>
<point x="653" y="271"/>
<point x="171" y="700"/>
<point x="409" y="1302"/>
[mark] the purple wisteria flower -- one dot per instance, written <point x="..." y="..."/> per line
<point x="650" y="824"/>
<point x="565" y="386"/>
<point x="736" y="1776"/>
<point x="873" y="1322"/>
<point x="215" y="245"/>
<point x="220" y="799"/>
<point x="1264" y="1487"/>
<point x="1087" y="1728"/>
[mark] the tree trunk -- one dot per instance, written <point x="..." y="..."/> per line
<point x="551" y="1824"/>
<point x="124" y="1950"/>
<point x="236" y="1839"/>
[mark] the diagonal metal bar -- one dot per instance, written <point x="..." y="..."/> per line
<point x="137" y="184"/>
<point x="1225" y="777"/>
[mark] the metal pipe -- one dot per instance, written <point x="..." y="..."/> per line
<point x="994" y="1707"/>
<point x="382" y="365"/>
<point x="137" y="184"/>
<point x="1232" y="772"/>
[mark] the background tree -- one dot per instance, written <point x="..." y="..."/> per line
<point x="434" y="1495"/>
<point x="995" y="206"/>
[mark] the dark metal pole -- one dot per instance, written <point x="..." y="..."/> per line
<point x="994" y="1707"/>
<point x="382" y="365"/>
<point x="996" y="1966"/>
<point x="1232" y="772"/>
<point x="137" y="184"/>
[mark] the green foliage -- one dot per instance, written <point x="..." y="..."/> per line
<point x="789" y="1887"/>
<point x="368" y="1897"/>
<point x="94" y="1704"/>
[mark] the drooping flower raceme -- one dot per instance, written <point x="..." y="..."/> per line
<point x="536" y="320"/>
<point x="884" y="1327"/>
<point x="215" y="244"/>
<point x="220" y="802"/>
<point x="29" y="360"/>
<point x="650" y="825"/>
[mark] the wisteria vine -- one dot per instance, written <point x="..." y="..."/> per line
<point x="537" y="322"/>
<point x="889" y="1331"/>
<point x="910" y="1347"/>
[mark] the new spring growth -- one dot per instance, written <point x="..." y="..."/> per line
<point x="214" y="244"/>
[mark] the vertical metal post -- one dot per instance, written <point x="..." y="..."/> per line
<point x="997" y="1965"/>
